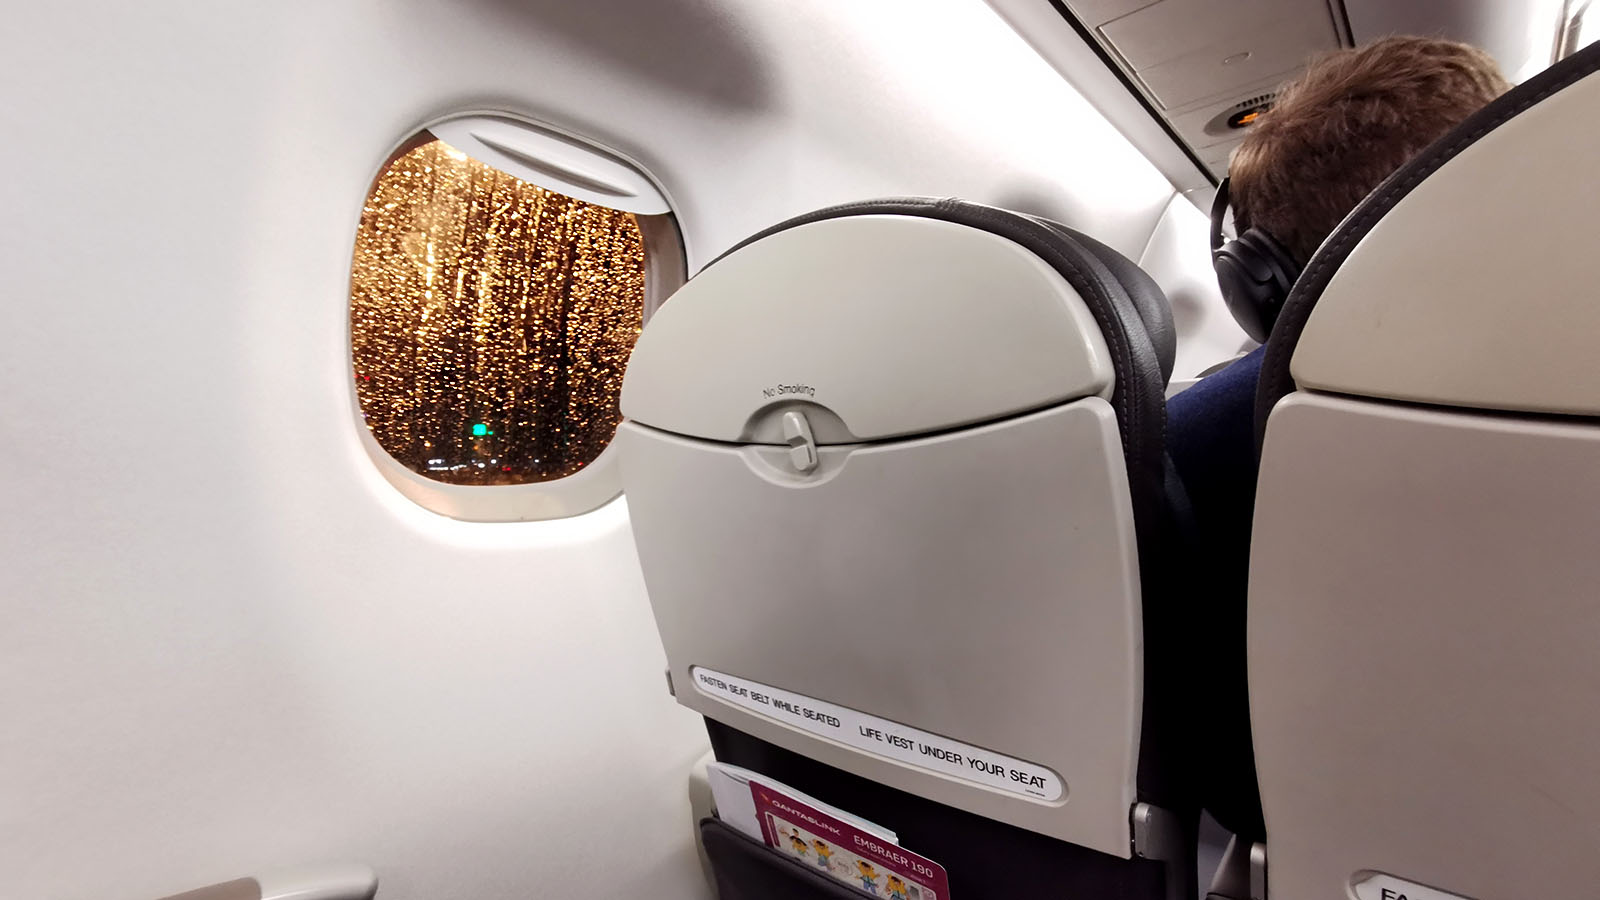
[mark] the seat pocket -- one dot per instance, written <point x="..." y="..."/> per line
<point x="747" y="869"/>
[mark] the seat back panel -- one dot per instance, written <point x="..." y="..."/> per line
<point x="1423" y="631"/>
<point x="970" y="585"/>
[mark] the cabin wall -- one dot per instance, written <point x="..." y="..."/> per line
<point x="226" y="644"/>
<point x="1178" y="257"/>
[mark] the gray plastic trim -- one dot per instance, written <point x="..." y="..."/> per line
<point x="1158" y="834"/>
<point x="1242" y="872"/>
<point x="554" y="160"/>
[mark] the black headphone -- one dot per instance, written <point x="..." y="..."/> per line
<point x="1254" y="271"/>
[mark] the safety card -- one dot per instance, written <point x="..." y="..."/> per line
<point x="849" y="854"/>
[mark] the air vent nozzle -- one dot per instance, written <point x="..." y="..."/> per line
<point x="1239" y="116"/>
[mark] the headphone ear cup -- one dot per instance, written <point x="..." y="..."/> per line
<point x="1240" y="291"/>
<point x="1255" y="274"/>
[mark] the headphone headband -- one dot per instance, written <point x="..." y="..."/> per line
<point x="1219" y="209"/>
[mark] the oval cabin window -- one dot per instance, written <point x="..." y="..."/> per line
<point x="499" y="282"/>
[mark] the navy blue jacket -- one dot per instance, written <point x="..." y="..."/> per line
<point x="1211" y="441"/>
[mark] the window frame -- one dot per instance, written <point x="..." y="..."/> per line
<point x="666" y="269"/>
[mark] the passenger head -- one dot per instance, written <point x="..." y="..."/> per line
<point x="1351" y="120"/>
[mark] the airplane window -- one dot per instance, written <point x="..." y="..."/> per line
<point x="491" y="321"/>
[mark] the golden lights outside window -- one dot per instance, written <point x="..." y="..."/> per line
<point x="492" y="315"/>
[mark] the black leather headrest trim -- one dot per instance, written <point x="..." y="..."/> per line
<point x="1276" y="382"/>
<point x="1154" y="310"/>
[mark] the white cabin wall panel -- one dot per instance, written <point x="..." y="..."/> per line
<point x="770" y="110"/>
<point x="949" y="101"/>
<point x="1520" y="36"/>
<point x="230" y="646"/>
<point x="1179" y="259"/>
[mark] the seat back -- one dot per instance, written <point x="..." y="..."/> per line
<point x="895" y="475"/>
<point x="1423" y="611"/>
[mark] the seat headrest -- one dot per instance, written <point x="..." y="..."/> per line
<point x="1130" y="310"/>
<point x="1144" y="298"/>
<point x="1477" y="251"/>
<point x="881" y="327"/>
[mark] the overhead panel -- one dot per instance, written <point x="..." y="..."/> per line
<point x="1096" y="11"/>
<point x="1206" y="124"/>
<point x="1218" y="162"/>
<point x="1200" y="68"/>
<point x="1204" y="65"/>
<point x="1173" y="28"/>
<point x="1222" y="68"/>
